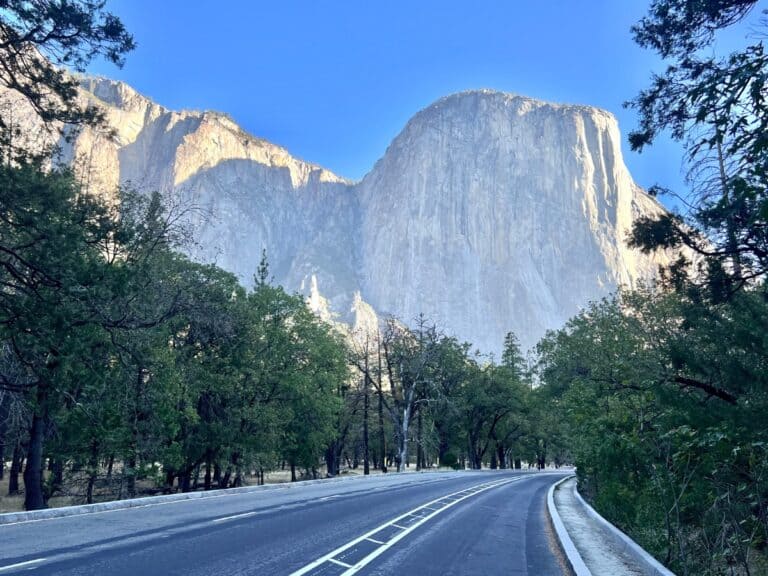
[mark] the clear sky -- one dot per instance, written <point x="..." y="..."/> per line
<point x="334" y="82"/>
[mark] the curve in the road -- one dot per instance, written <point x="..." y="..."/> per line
<point x="362" y="550"/>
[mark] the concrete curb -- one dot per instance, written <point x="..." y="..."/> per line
<point x="571" y="553"/>
<point x="34" y="515"/>
<point x="651" y="566"/>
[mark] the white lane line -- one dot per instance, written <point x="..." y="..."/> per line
<point x="339" y="562"/>
<point x="26" y="564"/>
<point x="324" y="498"/>
<point x="374" y="541"/>
<point x="228" y="494"/>
<point x="399" y="536"/>
<point x="243" y="515"/>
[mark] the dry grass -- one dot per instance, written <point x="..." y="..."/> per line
<point x="15" y="503"/>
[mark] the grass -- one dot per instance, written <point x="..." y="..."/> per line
<point x="73" y="490"/>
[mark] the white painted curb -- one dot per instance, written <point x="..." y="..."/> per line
<point x="48" y="513"/>
<point x="571" y="553"/>
<point x="651" y="566"/>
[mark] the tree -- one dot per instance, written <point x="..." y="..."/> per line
<point x="40" y="39"/>
<point x="716" y="106"/>
<point x="72" y="271"/>
<point x="663" y="402"/>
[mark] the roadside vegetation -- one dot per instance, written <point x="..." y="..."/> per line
<point x="663" y="392"/>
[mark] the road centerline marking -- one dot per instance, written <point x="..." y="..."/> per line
<point x="454" y="499"/>
<point x="26" y="564"/>
<point x="396" y="526"/>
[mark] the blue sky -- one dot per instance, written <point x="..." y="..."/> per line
<point x="334" y="82"/>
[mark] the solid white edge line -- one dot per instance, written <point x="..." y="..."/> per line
<point x="633" y="547"/>
<point x="571" y="553"/>
<point x="405" y="531"/>
<point x="22" y="564"/>
<point x="13" y="518"/>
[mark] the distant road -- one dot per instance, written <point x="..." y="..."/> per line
<point x="462" y="523"/>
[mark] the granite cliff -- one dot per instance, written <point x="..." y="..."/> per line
<point x="489" y="212"/>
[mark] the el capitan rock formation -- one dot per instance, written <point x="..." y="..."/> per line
<point x="489" y="212"/>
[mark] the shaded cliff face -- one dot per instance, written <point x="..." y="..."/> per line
<point x="488" y="213"/>
<point x="492" y="212"/>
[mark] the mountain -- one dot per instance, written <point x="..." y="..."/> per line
<point x="489" y="212"/>
<point x="492" y="212"/>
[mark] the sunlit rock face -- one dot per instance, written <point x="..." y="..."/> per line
<point x="492" y="212"/>
<point x="489" y="213"/>
<point x="240" y="194"/>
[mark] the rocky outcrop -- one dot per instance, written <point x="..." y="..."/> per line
<point x="490" y="212"/>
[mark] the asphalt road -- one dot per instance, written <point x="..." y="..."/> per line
<point x="462" y="523"/>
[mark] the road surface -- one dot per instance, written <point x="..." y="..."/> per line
<point x="462" y="523"/>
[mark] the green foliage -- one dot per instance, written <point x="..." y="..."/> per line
<point x="665" y="403"/>
<point x="43" y="38"/>
<point x="716" y="106"/>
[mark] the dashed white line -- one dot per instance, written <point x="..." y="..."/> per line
<point x="243" y="515"/>
<point x="27" y="564"/>
<point x="454" y="498"/>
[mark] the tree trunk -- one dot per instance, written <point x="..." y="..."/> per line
<point x="57" y="477"/>
<point x="419" y="443"/>
<point x="93" y="470"/>
<point x="196" y="477"/>
<point x="382" y="435"/>
<point x="732" y="241"/>
<point x="332" y="459"/>
<point x="169" y="476"/>
<point x="34" y="497"/>
<point x="293" y="471"/>
<point x="208" y="467"/>
<point x="224" y="480"/>
<point x="403" y="440"/>
<point x="502" y="456"/>
<point x="110" y="466"/>
<point x="366" y="404"/>
<point x="185" y="480"/>
<point x="442" y="446"/>
<point x="129" y="472"/>
<point x="13" y="473"/>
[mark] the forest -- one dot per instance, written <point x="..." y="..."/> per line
<point x="128" y="369"/>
